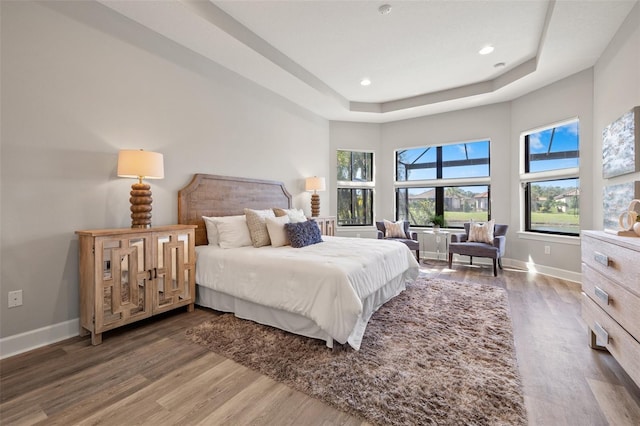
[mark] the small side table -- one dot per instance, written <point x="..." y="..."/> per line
<point x="438" y="238"/>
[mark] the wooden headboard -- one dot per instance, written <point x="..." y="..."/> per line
<point x="211" y="195"/>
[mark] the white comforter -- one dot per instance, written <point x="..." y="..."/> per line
<point x="325" y="282"/>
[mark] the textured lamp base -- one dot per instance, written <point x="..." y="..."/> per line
<point x="315" y="205"/>
<point x="140" y="205"/>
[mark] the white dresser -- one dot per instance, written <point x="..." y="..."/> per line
<point x="611" y="296"/>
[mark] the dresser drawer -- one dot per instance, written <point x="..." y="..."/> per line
<point x="624" y="348"/>
<point x="613" y="261"/>
<point x="622" y="305"/>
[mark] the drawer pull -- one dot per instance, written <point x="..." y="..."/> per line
<point x="601" y="258"/>
<point x="602" y="295"/>
<point x="602" y="337"/>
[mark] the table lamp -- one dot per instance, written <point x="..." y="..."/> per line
<point x="141" y="165"/>
<point x="315" y="184"/>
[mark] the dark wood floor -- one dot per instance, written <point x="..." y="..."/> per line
<point x="149" y="373"/>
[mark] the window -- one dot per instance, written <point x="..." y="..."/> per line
<point x="448" y="180"/>
<point x="355" y="188"/>
<point x="459" y="204"/>
<point x="550" y="179"/>
<point x="461" y="160"/>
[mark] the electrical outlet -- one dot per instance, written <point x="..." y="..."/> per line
<point x="547" y="249"/>
<point x="15" y="298"/>
<point x="357" y="235"/>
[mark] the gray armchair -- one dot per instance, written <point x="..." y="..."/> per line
<point x="460" y="245"/>
<point x="411" y="241"/>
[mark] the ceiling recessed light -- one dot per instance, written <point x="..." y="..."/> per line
<point x="486" y="50"/>
<point x="365" y="82"/>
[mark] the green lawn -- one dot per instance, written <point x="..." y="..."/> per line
<point x="548" y="218"/>
<point x="465" y="216"/>
<point x="560" y="222"/>
<point x="555" y="218"/>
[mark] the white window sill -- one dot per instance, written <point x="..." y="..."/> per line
<point x="560" y="239"/>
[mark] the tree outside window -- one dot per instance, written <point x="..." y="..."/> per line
<point x="355" y="188"/>
<point x="448" y="180"/>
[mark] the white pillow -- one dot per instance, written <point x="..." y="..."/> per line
<point x="257" y="226"/>
<point x="394" y="229"/>
<point x="212" y="230"/>
<point x="295" y="215"/>
<point x="277" y="233"/>
<point x="232" y="231"/>
<point x="481" y="232"/>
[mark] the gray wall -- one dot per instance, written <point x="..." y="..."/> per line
<point x="80" y="83"/>
<point x="616" y="90"/>
<point x="566" y="99"/>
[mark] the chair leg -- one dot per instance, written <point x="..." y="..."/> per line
<point x="495" y="269"/>
<point x="470" y="260"/>
<point x="418" y="255"/>
<point x="450" y="259"/>
<point x="500" y="262"/>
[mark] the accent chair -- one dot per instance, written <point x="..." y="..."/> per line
<point x="495" y="250"/>
<point x="410" y="241"/>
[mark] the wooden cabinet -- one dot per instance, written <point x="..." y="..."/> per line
<point x="130" y="274"/>
<point x="611" y="296"/>
<point x="327" y="224"/>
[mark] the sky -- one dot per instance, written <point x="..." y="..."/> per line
<point x="474" y="150"/>
<point x="564" y="139"/>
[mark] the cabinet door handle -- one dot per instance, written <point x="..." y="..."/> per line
<point x="601" y="294"/>
<point x="601" y="258"/>
<point x="602" y="337"/>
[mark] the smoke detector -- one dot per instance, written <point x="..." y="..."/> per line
<point x="384" y="9"/>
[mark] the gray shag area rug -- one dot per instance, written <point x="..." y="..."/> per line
<point x="440" y="353"/>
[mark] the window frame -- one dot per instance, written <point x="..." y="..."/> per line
<point x="353" y="185"/>
<point x="528" y="178"/>
<point x="440" y="183"/>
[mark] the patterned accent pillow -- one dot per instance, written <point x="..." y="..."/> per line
<point x="394" y="229"/>
<point x="481" y="232"/>
<point x="295" y="215"/>
<point x="303" y="234"/>
<point x="258" y="226"/>
<point x="277" y="233"/>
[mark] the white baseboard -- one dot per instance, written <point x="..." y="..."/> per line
<point x="23" y="342"/>
<point x="575" y="277"/>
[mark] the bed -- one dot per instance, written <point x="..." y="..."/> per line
<point x="325" y="291"/>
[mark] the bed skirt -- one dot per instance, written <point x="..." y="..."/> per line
<point x="295" y="323"/>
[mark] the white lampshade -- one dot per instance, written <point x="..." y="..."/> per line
<point x="140" y="164"/>
<point x="314" y="184"/>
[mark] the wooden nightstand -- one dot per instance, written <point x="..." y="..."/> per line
<point x="327" y="224"/>
<point x="130" y="274"/>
